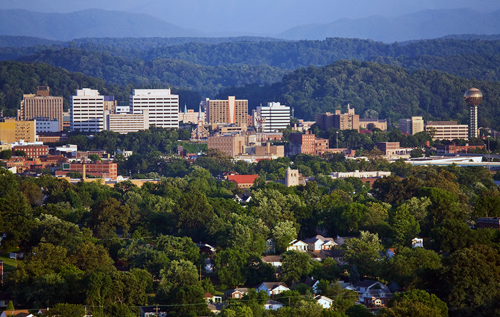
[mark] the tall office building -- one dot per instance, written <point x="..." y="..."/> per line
<point x="411" y="126"/>
<point x="87" y="111"/>
<point x="272" y="118"/>
<point x="162" y="106"/>
<point x="230" y="111"/>
<point x="43" y="105"/>
<point x="13" y="131"/>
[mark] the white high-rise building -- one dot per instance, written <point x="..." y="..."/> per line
<point x="87" y="111"/>
<point x="162" y="106"/>
<point x="273" y="117"/>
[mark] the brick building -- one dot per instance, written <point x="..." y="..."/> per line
<point x="98" y="169"/>
<point x="307" y="143"/>
<point x="32" y="151"/>
<point x="42" y="104"/>
<point x="243" y="181"/>
<point x="488" y="222"/>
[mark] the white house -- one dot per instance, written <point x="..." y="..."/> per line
<point x="297" y="245"/>
<point x="318" y="243"/>
<point x="324" y="301"/>
<point x="272" y="305"/>
<point x="272" y="288"/>
<point x="274" y="260"/>
<point x="417" y="243"/>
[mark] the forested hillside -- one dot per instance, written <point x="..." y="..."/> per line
<point x="392" y="91"/>
<point x="208" y="80"/>
<point x="17" y="78"/>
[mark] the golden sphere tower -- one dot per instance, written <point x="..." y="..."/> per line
<point x="473" y="97"/>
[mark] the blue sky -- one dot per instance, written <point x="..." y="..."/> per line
<point x="256" y="16"/>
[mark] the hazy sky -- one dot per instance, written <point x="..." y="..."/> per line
<point x="256" y="16"/>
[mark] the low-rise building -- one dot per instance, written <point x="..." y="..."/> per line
<point x="236" y="293"/>
<point x="447" y="130"/>
<point x="274" y="260"/>
<point x="370" y="124"/>
<point x="307" y="143"/>
<point x="488" y="222"/>
<point x="297" y="245"/>
<point x="98" y="169"/>
<point x="124" y="123"/>
<point x="358" y="174"/>
<point x="455" y="149"/>
<point x="243" y="181"/>
<point x="45" y="124"/>
<point x="32" y="151"/>
<point x="318" y="243"/>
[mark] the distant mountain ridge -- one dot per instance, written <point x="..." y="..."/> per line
<point x="87" y="23"/>
<point x="425" y="24"/>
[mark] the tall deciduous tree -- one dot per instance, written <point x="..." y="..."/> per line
<point x="295" y="265"/>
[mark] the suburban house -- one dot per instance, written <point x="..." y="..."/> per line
<point x="318" y="243"/>
<point x="209" y="266"/>
<point x="324" y="301"/>
<point x="390" y="253"/>
<point x="215" y="308"/>
<point x="272" y="288"/>
<point x="274" y="260"/>
<point x="212" y="298"/>
<point x="297" y="245"/>
<point x="17" y="312"/>
<point x="236" y="293"/>
<point x="417" y="243"/>
<point x="242" y="198"/>
<point x="153" y="311"/>
<point x="373" y="294"/>
<point x="272" y="305"/>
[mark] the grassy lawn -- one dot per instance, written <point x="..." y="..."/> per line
<point x="9" y="264"/>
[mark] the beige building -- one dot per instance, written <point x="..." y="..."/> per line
<point x="13" y="131"/>
<point x="42" y="104"/>
<point x="232" y="145"/>
<point x="126" y="122"/>
<point x="109" y="104"/>
<point x="366" y="124"/>
<point x="447" y="130"/>
<point x="411" y="126"/>
<point x="338" y="120"/>
<point x="227" y="111"/>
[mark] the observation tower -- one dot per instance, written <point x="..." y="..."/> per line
<point x="473" y="97"/>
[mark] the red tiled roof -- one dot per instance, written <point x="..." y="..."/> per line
<point x="242" y="179"/>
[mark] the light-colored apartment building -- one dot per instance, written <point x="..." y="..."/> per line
<point x="411" y="126"/>
<point x="42" y="104"/>
<point x="44" y="124"/>
<point x="126" y="122"/>
<point x="230" y="111"/>
<point x="87" y="111"/>
<point x="271" y="118"/>
<point x="162" y="106"/>
<point x="14" y="131"/>
<point x="447" y="130"/>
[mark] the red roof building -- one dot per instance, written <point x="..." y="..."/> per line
<point x="243" y="181"/>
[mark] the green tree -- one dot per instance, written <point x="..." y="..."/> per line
<point x="230" y="265"/>
<point x="404" y="225"/>
<point x="283" y="233"/>
<point x="363" y="252"/>
<point x="95" y="158"/>
<point x="430" y="301"/>
<point x="108" y="216"/>
<point x="295" y="265"/>
<point x="63" y="309"/>
<point x="358" y="311"/>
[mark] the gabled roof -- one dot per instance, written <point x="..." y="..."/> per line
<point x="242" y="179"/>
<point x="365" y="283"/>
<point x="271" y="258"/>
<point x="238" y="289"/>
<point x="318" y="297"/>
<point x="272" y="285"/>
<point x="16" y="312"/>
<point x="318" y="237"/>
<point x="295" y="241"/>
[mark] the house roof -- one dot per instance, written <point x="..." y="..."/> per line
<point x="273" y="302"/>
<point x="271" y="258"/>
<point x="295" y="241"/>
<point x="365" y="283"/>
<point x="215" y="306"/>
<point x="379" y="293"/>
<point x="318" y="238"/>
<point x="272" y="285"/>
<point x="242" y="179"/>
<point x="208" y="295"/>
<point x="238" y="289"/>
<point x="17" y="312"/>
<point x="318" y="297"/>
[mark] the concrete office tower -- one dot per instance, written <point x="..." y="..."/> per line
<point x="447" y="130"/>
<point x="276" y="116"/>
<point x="43" y="105"/>
<point x="411" y="126"/>
<point x="291" y="177"/>
<point x="162" y="106"/>
<point x="87" y="111"/>
<point x="473" y="97"/>
<point x="230" y="111"/>
<point x="126" y="122"/>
